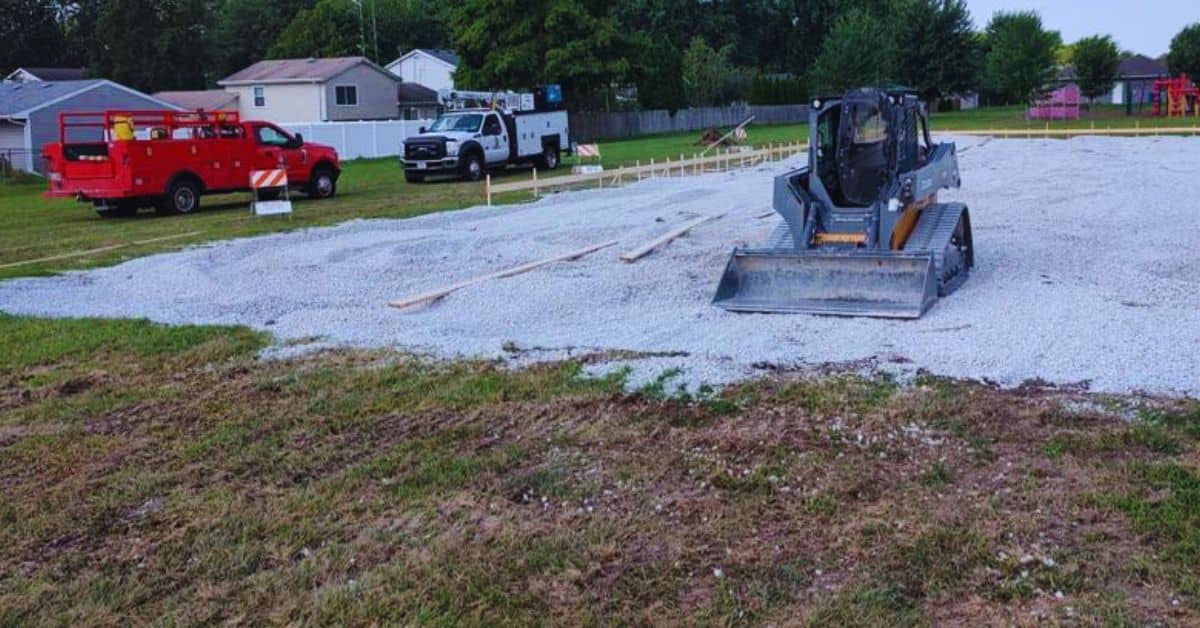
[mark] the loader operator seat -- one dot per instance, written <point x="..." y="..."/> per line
<point x="863" y="152"/>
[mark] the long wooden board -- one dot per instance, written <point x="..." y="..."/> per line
<point x="645" y="249"/>
<point x="111" y="247"/>
<point x="434" y="295"/>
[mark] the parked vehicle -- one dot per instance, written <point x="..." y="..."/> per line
<point x="121" y="161"/>
<point x="466" y="142"/>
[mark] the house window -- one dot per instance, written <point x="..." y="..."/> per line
<point x="346" y="95"/>
<point x="260" y="96"/>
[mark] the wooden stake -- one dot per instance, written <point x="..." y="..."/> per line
<point x="645" y="249"/>
<point x="111" y="247"/>
<point x="434" y="295"/>
<point x="487" y="188"/>
<point x="535" y="182"/>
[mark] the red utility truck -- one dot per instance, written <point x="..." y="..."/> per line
<point x="122" y="161"/>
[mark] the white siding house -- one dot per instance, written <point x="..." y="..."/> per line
<point x="289" y="91"/>
<point x="431" y="68"/>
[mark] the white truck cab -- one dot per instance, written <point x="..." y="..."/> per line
<point x="467" y="142"/>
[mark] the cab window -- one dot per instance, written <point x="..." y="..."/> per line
<point x="491" y="126"/>
<point x="270" y="136"/>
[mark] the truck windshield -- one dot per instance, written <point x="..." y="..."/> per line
<point x="468" y="122"/>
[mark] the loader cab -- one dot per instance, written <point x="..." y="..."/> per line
<point x="863" y="140"/>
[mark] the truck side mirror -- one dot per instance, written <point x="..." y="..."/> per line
<point x="298" y="140"/>
<point x="421" y="130"/>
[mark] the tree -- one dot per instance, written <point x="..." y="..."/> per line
<point x="151" y="44"/>
<point x="941" y="50"/>
<point x="329" y="28"/>
<point x="31" y="34"/>
<point x="706" y="73"/>
<point x="1020" y="60"/>
<point x="1097" y="59"/>
<point x="514" y="44"/>
<point x="1184" y="57"/>
<point x="245" y="29"/>
<point x="856" y="53"/>
<point x="659" y="76"/>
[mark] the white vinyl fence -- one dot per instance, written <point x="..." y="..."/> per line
<point x="355" y="140"/>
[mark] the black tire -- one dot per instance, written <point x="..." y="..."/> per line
<point x="183" y="197"/>
<point x="322" y="184"/>
<point x="550" y="158"/>
<point x="412" y="177"/>
<point x="473" y="168"/>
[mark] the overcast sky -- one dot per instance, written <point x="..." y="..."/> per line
<point x="1143" y="26"/>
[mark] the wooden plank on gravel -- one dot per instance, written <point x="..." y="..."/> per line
<point x="434" y="295"/>
<point x="111" y="247"/>
<point x="645" y="249"/>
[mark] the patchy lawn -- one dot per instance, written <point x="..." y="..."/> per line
<point x="164" y="475"/>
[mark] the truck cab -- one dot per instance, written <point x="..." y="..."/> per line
<point x="463" y="142"/>
<point x="467" y="142"/>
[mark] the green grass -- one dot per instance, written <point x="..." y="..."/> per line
<point x="153" y="474"/>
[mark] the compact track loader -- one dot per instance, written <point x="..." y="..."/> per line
<point x="862" y="233"/>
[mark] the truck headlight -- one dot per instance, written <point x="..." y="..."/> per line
<point x="451" y="148"/>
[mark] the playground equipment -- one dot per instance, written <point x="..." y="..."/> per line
<point x="1176" y="97"/>
<point x="1060" y="104"/>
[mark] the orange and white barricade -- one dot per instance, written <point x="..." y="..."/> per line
<point x="270" y="188"/>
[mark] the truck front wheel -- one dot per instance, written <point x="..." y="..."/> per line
<point x="183" y="197"/>
<point x="472" y="167"/>
<point x="322" y="184"/>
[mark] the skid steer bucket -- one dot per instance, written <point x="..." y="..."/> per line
<point x="885" y="284"/>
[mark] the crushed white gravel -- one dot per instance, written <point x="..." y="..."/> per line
<point x="1088" y="270"/>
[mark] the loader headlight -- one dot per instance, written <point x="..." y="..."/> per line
<point x="451" y="148"/>
<point x="816" y="104"/>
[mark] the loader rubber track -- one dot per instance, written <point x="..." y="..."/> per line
<point x="944" y="229"/>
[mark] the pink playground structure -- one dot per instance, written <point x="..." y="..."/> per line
<point x="1060" y="104"/>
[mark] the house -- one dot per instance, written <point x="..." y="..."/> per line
<point x="208" y="100"/>
<point x="29" y="114"/>
<point x="314" y="90"/>
<point x="27" y="75"/>
<point x="1135" y="81"/>
<point x="430" y="67"/>
<point x="418" y="102"/>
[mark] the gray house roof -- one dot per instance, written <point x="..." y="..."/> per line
<point x="1139" y="66"/>
<point x="297" y="71"/>
<point x="208" y="100"/>
<point x="415" y="94"/>
<point x="441" y="53"/>
<point x="18" y="100"/>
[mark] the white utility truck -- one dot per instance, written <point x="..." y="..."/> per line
<point x="469" y="139"/>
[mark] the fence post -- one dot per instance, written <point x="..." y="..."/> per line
<point x="374" y="139"/>
<point x="651" y="167"/>
<point x="639" y="170"/>
<point x="487" y="187"/>
<point x="535" y="182"/>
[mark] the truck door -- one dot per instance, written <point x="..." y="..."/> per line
<point x="275" y="148"/>
<point x="495" y="140"/>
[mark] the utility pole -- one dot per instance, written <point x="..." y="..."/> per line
<point x="362" y="31"/>
<point x="375" y="31"/>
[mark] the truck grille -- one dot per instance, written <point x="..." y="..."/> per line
<point x="424" y="150"/>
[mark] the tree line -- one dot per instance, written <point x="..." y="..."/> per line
<point x="624" y="53"/>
